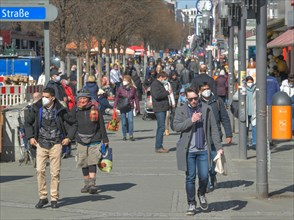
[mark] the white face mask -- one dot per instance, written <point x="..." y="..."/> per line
<point x="125" y="83"/>
<point x="66" y="82"/>
<point x="45" y="101"/>
<point x="57" y="79"/>
<point x="206" y="93"/>
<point x="249" y="85"/>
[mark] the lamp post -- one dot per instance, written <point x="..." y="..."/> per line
<point x="261" y="116"/>
<point x="234" y="13"/>
<point x="206" y="22"/>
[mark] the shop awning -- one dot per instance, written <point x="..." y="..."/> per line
<point x="284" y="40"/>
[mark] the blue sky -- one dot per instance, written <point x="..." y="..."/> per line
<point x="190" y="3"/>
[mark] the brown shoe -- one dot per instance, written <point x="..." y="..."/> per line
<point x="162" y="150"/>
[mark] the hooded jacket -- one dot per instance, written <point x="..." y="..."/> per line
<point x="159" y="97"/>
<point x="92" y="88"/>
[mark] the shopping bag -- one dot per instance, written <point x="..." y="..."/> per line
<point x="105" y="164"/>
<point x="220" y="164"/>
<point x="113" y="124"/>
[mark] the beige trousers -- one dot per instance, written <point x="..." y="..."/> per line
<point x="54" y="156"/>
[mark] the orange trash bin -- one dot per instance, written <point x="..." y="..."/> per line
<point x="281" y="117"/>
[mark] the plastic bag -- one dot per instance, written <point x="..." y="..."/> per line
<point x="220" y="164"/>
<point x="113" y="124"/>
<point x="105" y="164"/>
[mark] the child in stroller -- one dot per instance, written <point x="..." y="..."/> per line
<point x="148" y="109"/>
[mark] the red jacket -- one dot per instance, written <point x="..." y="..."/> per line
<point x="70" y="96"/>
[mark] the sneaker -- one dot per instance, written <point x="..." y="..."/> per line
<point x="124" y="139"/>
<point x="191" y="210"/>
<point x="203" y="202"/>
<point x="132" y="138"/>
<point x="41" y="203"/>
<point x="54" y="205"/>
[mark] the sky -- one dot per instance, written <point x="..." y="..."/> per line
<point x="190" y="3"/>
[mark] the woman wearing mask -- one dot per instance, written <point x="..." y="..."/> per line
<point x="70" y="97"/>
<point x="251" y="108"/>
<point x="175" y="84"/>
<point x="127" y="92"/>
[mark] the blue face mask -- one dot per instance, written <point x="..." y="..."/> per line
<point x="164" y="82"/>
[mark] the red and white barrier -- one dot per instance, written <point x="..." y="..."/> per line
<point x="15" y="95"/>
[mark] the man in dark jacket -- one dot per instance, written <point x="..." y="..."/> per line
<point x="90" y="132"/>
<point x="222" y="118"/>
<point x="203" y="77"/>
<point x="160" y="106"/>
<point x="44" y="126"/>
<point x="55" y="84"/>
<point x="92" y="87"/>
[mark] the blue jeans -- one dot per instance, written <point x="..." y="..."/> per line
<point x="130" y="119"/>
<point x="253" y="131"/>
<point x="199" y="161"/>
<point x="160" y="118"/>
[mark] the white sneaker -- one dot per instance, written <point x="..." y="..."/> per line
<point x="191" y="210"/>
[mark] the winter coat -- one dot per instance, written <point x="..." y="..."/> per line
<point x="104" y="103"/>
<point x="176" y="86"/>
<point x="83" y="125"/>
<point x="58" y="89"/>
<point x="272" y="86"/>
<point x="186" y="76"/>
<point x="221" y="85"/>
<point x="32" y="120"/>
<point x="194" y="67"/>
<point x="138" y="85"/>
<point x="70" y="97"/>
<point x="220" y="114"/>
<point x="130" y="93"/>
<point x="203" y="77"/>
<point x="183" y="123"/>
<point x="159" y="97"/>
<point x="252" y="104"/>
<point x="92" y="88"/>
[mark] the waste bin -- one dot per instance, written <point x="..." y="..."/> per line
<point x="281" y="117"/>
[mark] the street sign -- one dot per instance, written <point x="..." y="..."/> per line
<point x="17" y="12"/>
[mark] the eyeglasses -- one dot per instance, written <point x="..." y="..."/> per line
<point x="194" y="98"/>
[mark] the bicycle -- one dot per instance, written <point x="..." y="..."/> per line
<point x="26" y="150"/>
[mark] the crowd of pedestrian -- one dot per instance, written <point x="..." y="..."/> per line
<point x="184" y="98"/>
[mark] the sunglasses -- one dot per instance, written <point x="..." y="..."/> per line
<point x="194" y="98"/>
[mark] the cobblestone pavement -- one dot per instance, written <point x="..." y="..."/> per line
<point x="146" y="185"/>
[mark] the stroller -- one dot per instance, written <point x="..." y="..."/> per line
<point x="148" y="113"/>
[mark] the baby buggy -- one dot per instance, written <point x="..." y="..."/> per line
<point x="148" y="107"/>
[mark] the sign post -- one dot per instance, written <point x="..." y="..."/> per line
<point x="33" y="11"/>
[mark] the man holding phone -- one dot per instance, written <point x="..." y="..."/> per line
<point x="195" y="120"/>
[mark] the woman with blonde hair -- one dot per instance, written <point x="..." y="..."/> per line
<point x="126" y="100"/>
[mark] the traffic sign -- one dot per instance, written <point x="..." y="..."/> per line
<point x="44" y="13"/>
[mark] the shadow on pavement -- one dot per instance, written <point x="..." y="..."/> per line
<point x="232" y="204"/>
<point x="234" y="183"/>
<point x="80" y="199"/>
<point x="282" y="148"/>
<point x="143" y="130"/>
<point x="115" y="187"/>
<point x="142" y="138"/>
<point x="4" y="179"/>
<point x="281" y="191"/>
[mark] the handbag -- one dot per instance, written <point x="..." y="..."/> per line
<point x="123" y="104"/>
<point x="105" y="164"/>
<point x="113" y="124"/>
<point x="220" y="164"/>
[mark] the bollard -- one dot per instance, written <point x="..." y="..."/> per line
<point x="281" y="117"/>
